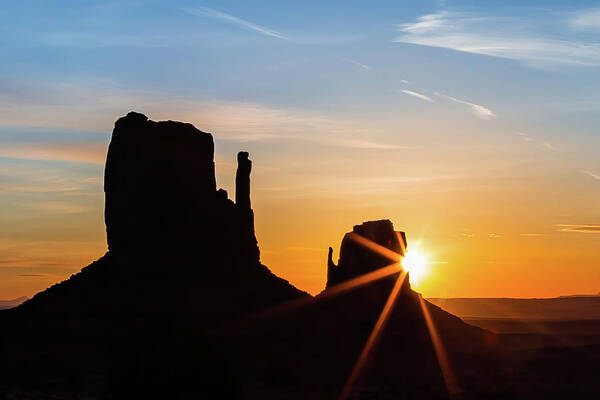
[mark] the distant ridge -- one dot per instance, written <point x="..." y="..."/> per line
<point x="576" y="307"/>
<point x="579" y="295"/>
<point x="6" y="304"/>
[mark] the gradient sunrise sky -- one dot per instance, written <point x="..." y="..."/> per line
<point x="473" y="126"/>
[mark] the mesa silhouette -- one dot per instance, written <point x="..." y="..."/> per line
<point x="181" y="307"/>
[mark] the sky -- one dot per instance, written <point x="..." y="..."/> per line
<point x="472" y="126"/>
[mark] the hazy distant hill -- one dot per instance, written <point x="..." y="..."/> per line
<point x="6" y="304"/>
<point x="559" y="308"/>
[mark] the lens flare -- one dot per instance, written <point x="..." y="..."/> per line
<point x="416" y="264"/>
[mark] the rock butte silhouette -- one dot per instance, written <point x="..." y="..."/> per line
<point x="180" y="305"/>
<point x="356" y="259"/>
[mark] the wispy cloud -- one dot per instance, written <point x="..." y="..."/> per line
<point x="60" y="207"/>
<point x="390" y="180"/>
<point x="584" y="228"/>
<point x="56" y="105"/>
<point x="417" y="95"/>
<point x="219" y="15"/>
<point x="360" y="186"/>
<point x="79" y="151"/>
<point x="494" y="235"/>
<point x="541" y="145"/>
<point x="367" y="144"/>
<point x="359" y="64"/>
<point x="242" y="121"/>
<point x="531" y="234"/>
<point x="591" y="174"/>
<point x="7" y="188"/>
<point x="525" y="137"/>
<point x="550" y="147"/>
<point x="478" y="110"/>
<point x="515" y="38"/>
<point x="50" y="255"/>
<point x="586" y="19"/>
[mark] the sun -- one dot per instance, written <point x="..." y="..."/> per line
<point x="416" y="264"/>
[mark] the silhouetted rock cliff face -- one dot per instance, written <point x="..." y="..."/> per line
<point x="158" y="174"/>
<point x="359" y="254"/>
<point x="161" y="195"/>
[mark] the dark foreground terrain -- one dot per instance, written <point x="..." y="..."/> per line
<point x="181" y="307"/>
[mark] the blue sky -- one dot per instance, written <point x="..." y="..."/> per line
<point x="370" y="94"/>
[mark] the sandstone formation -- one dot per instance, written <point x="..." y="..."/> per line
<point x="159" y="179"/>
<point x="357" y="258"/>
<point x="161" y="194"/>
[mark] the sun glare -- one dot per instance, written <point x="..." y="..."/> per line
<point x="415" y="263"/>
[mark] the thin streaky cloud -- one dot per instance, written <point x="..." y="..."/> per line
<point x="417" y="95"/>
<point x="5" y="188"/>
<point x="526" y="137"/>
<point x="227" y="121"/>
<point x="477" y="109"/>
<point x="503" y="37"/>
<point x="365" y="144"/>
<point x="542" y="145"/>
<point x="93" y="152"/>
<point x="586" y="20"/>
<point x="219" y="15"/>
<point x="550" y="147"/>
<point x="583" y="228"/>
<point x="591" y="174"/>
<point x="363" y="66"/>
<point x="59" y="207"/>
<point x="532" y="234"/>
<point x="403" y="81"/>
<point x="388" y="180"/>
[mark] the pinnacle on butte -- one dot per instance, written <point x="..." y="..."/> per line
<point x="364" y="250"/>
<point x="242" y="181"/>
